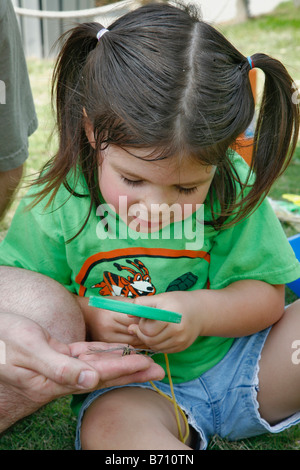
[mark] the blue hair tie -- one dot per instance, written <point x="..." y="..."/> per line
<point x="250" y="62"/>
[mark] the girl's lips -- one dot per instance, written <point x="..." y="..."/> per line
<point x="147" y="223"/>
<point x="139" y="219"/>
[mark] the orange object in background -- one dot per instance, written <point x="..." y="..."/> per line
<point x="244" y="144"/>
<point x="244" y="147"/>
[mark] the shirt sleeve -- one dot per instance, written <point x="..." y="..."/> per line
<point x="18" y="118"/>
<point x="256" y="248"/>
<point x="35" y="242"/>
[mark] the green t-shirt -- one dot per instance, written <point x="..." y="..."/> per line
<point x="108" y="258"/>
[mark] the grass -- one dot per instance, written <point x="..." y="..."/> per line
<point x="51" y="428"/>
<point x="277" y="34"/>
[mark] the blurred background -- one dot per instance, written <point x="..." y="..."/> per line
<point x="40" y="32"/>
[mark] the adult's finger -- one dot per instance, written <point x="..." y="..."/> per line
<point x="52" y="361"/>
<point x="119" y="370"/>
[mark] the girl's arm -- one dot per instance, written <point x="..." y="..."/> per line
<point x="240" y="309"/>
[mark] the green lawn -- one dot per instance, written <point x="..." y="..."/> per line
<point x="278" y="34"/>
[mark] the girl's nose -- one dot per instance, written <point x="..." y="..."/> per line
<point x="158" y="197"/>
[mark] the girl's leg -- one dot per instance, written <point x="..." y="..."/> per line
<point x="279" y="376"/>
<point x="131" y="418"/>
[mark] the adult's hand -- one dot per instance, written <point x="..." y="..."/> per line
<point x="41" y="368"/>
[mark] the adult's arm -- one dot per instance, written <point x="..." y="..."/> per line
<point x="42" y="334"/>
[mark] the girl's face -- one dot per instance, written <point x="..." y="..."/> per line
<point x="149" y="189"/>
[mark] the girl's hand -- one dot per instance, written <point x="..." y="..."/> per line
<point x="108" y="326"/>
<point x="210" y="312"/>
<point x="163" y="336"/>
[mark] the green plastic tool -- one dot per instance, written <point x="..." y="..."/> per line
<point x="136" y="310"/>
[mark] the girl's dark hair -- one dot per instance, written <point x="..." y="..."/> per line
<point x="163" y="79"/>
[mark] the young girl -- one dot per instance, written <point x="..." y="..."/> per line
<point x="145" y="200"/>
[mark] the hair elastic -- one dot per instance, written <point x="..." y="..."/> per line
<point x="101" y="32"/>
<point x="252" y="66"/>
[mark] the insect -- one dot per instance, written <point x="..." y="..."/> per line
<point x="126" y="350"/>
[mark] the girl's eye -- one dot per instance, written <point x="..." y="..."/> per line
<point x="131" y="182"/>
<point x="181" y="190"/>
<point x="187" y="190"/>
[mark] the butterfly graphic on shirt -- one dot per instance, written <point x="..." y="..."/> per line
<point x="139" y="282"/>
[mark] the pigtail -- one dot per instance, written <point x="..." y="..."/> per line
<point x="277" y="128"/>
<point x="67" y="79"/>
<point x="68" y="103"/>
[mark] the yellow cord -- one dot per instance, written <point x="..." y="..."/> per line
<point x="173" y="400"/>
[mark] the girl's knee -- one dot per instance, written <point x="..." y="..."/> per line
<point x="129" y="418"/>
<point x="106" y="420"/>
<point x="113" y="409"/>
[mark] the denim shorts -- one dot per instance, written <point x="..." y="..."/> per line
<point x="222" y="401"/>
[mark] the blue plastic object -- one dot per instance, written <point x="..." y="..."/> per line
<point x="295" y="244"/>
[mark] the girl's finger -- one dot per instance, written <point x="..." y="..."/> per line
<point x="152" y="342"/>
<point x="152" y="327"/>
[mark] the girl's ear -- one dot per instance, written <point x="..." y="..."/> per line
<point x="89" y="129"/>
